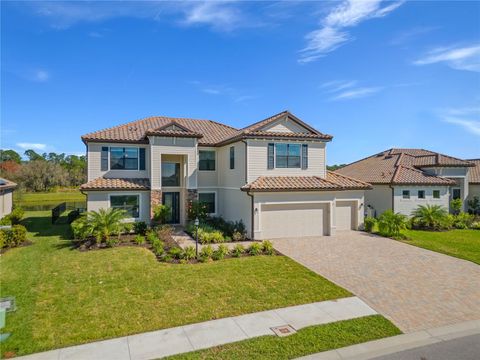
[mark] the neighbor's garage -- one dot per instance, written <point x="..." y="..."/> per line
<point x="294" y="220"/>
<point x="345" y="214"/>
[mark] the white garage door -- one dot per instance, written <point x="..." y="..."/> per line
<point x="293" y="220"/>
<point x="345" y="215"/>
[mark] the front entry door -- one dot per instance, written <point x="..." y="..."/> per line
<point x="172" y="200"/>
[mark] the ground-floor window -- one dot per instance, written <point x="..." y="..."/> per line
<point x="209" y="200"/>
<point x="129" y="203"/>
<point x="456" y="194"/>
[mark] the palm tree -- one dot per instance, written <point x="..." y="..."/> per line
<point x="429" y="216"/>
<point x="390" y="223"/>
<point x="105" y="223"/>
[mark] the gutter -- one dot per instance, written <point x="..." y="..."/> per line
<point x="252" y="215"/>
<point x="393" y="197"/>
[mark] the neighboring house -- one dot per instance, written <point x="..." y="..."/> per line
<point x="6" y="196"/>
<point x="271" y="175"/>
<point x="474" y="180"/>
<point x="402" y="179"/>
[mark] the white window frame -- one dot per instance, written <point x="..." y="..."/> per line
<point x="128" y="194"/>
<point x="216" y="199"/>
<point x="126" y="146"/>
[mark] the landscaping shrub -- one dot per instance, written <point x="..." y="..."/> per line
<point x="152" y="236"/>
<point x="463" y="220"/>
<point x="232" y="229"/>
<point x="140" y="227"/>
<point x="2" y="239"/>
<point x="267" y="247"/>
<point x="157" y="248"/>
<point x="80" y="228"/>
<point x="475" y="225"/>
<point x="206" y="234"/>
<point x="188" y="253"/>
<point x="238" y="250"/>
<point x="16" y="215"/>
<point x="456" y="206"/>
<point x="255" y="249"/>
<point x="112" y="241"/>
<point x="238" y="236"/>
<point x="391" y="224"/>
<point x="474" y="205"/>
<point x="431" y="217"/>
<point x="176" y="253"/>
<point x="139" y="239"/>
<point x="161" y="213"/>
<point x="102" y="224"/>
<point x="369" y="223"/>
<point x="206" y="252"/>
<point x="197" y="209"/>
<point x="14" y="236"/>
<point x="5" y="221"/>
<point x="220" y="253"/>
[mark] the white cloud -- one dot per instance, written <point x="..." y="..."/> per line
<point x="347" y="14"/>
<point x="347" y="89"/>
<point x="460" y="58"/>
<point x="232" y="93"/>
<point x="467" y="118"/>
<point x="215" y="13"/>
<point x="407" y="35"/>
<point x="32" y="146"/>
<point x="41" y="76"/>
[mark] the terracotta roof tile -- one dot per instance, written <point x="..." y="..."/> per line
<point x="305" y="183"/>
<point x="117" y="184"/>
<point x="474" y="174"/>
<point x="404" y="163"/>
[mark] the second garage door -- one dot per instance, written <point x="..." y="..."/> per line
<point x="345" y="215"/>
<point x="293" y="220"/>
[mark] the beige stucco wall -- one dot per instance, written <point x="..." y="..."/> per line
<point x="406" y="206"/>
<point x="94" y="155"/>
<point x="327" y="197"/>
<point x="380" y="198"/>
<point x="284" y="125"/>
<point x="230" y="177"/>
<point x="474" y="190"/>
<point x="6" y="202"/>
<point x="101" y="200"/>
<point x="173" y="146"/>
<point x="257" y="160"/>
<point x="234" y="205"/>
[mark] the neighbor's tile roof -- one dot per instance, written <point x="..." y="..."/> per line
<point x="474" y="174"/>
<point x="401" y="166"/>
<point x="305" y="183"/>
<point x="209" y="132"/>
<point x="7" y="184"/>
<point x="117" y="184"/>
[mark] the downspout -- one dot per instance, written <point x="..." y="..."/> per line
<point x="393" y="197"/>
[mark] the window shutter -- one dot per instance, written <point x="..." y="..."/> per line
<point x="304" y="156"/>
<point x="142" y="158"/>
<point x="232" y="157"/>
<point x="104" y="159"/>
<point x="271" y="159"/>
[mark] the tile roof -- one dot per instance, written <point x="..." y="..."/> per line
<point x="474" y="174"/>
<point x="208" y="132"/>
<point x="117" y="184"/>
<point x="305" y="183"/>
<point x="7" y="184"/>
<point x="401" y="166"/>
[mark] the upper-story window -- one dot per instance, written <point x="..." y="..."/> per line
<point x="206" y="160"/>
<point x="283" y="155"/>
<point x="232" y="157"/>
<point x="406" y="194"/>
<point x="170" y="174"/>
<point x="436" y="194"/>
<point x="122" y="158"/>
<point x="421" y="194"/>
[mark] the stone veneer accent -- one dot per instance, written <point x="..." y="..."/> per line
<point x="155" y="199"/>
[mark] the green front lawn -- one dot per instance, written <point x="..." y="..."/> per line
<point x="306" y="341"/>
<point x="46" y="198"/>
<point x="464" y="244"/>
<point x="66" y="297"/>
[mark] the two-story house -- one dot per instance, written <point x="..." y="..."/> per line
<point x="271" y="175"/>
<point x="403" y="179"/>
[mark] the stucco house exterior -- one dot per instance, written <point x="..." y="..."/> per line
<point x="402" y="179"/>
<point x="271" y="175"/>
<point x="6" y="196"/>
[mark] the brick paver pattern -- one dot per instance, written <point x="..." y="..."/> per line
<point x="413" y="287"/>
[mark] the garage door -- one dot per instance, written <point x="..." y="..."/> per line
<point x="293" y="220"/>
<point x="345" y="215"/>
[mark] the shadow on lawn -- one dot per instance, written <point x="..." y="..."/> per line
<point x="42" y="226"/>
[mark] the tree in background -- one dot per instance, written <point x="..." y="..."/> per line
<point x="41" y="175"/>
<point x="10" y="155"/>
<point x="335" y="167"/>
<point x="33" y="156"/>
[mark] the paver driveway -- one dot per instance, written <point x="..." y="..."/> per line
<point x="413" y="287"/>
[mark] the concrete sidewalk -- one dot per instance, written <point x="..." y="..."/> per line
<point x="399" y="343"/>
<point x="187" y="338"/>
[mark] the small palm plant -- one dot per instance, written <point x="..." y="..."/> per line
<point x="391" y="224"/>
<point x="161" y="213"/>
<point x="429" y="216"/>
<point x="106" y="222"/>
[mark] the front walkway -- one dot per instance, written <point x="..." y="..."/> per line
<point x="413" y="287"/>
<point x="187" y="338"/>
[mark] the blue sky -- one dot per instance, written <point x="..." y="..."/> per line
<point x="374" y="74"/>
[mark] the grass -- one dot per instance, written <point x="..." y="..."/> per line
<point x="46" y="198"/>
<point x="306" y="341"/>
<point x="66" y="297"/>
<point x="464" y="244"/>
